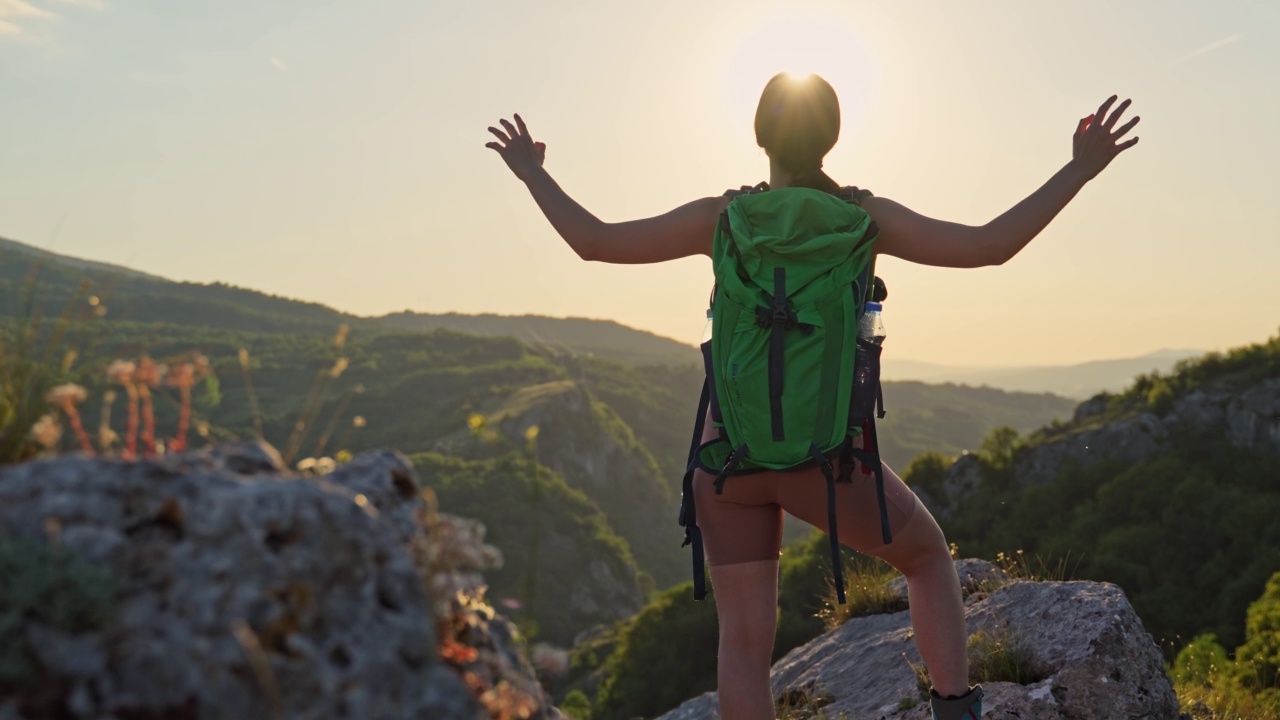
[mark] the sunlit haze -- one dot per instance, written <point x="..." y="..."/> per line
<point x="334" y="152"/>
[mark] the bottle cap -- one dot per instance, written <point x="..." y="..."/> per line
<point x="874" y="306"/>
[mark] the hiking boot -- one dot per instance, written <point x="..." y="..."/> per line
<point x="957" y="707"/>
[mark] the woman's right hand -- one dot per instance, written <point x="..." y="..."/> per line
<point x="517" y="148"/>
<point x="1096" y="142"/>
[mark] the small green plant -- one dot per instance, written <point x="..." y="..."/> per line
<point x="1017" y="566"/>
<point x="923" y="683"/>
<point x="576" y="705"/>
<point x="1003" y="656"/>
<point x="994" y="656"/>
<point x="53" y="586"/>
<point x="803" y="703"/>
<point x="867" y="592"/>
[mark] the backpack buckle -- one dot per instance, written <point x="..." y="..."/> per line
<point x="782" y="315"/>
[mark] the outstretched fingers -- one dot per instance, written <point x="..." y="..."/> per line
<point x="1124" y="129"/>
<point x="1115" y="116"/>
<point x="1104" y="107"/>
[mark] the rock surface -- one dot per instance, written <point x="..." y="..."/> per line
<point x="1094" y="658"/>
<point x="245" y="592"/>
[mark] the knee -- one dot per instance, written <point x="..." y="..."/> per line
<point x="919" y="547"/>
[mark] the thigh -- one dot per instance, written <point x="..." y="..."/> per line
<point x="743" y="524"/>
<point x="857" y="506"/>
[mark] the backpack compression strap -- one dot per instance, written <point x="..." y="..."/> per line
<point x="688" y="511"/>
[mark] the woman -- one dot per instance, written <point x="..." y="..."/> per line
<point x="797" y="123"/>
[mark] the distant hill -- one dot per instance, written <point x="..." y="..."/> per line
<point x="580" y="336"/>
<point x="13" y="247"/>
<point x="1079" y="381"/>
<point x="131" y="295"/>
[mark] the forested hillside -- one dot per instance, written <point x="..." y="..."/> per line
<point x="1170" y="489"/>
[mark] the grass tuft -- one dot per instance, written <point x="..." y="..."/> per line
<point x="806" y="702"/>
<point x="867" y="592"/>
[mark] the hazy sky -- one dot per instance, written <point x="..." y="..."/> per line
<point x="333" y="151"/>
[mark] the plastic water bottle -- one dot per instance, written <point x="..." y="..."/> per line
<point x="866" y="368"/>
<point x="871" y="326"/>
<point x="706" y="330"/>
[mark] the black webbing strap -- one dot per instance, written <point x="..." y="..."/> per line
<point x="777" y="343"/>
<point x="688" y="510"/>
<point x="878" y="468"/>
<point x="730" y="465"/>
<point x="833" y="537"/>
<point x="869" y="456"/>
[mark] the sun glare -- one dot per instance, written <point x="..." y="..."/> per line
<point x="798" y="43"/>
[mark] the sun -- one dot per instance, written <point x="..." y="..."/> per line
<point x="797" y="42"/>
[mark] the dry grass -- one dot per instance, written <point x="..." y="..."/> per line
<point x="1017" y="567"/>
<point x="867" y="592"/>
<point x="1000" y="655"/>
<point x="1003" y="655"/>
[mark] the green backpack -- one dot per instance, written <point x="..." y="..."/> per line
<point x="794" y="269"/>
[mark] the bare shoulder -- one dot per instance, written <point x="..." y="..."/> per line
<point x="684" y="231"/>
<point x="911" y="236"/>
<point x="876" y="205"/>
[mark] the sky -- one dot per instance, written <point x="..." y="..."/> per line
<point x="334" y="152"/>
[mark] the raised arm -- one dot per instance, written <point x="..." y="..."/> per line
<point x="908" y="235"/>
<point x="684" y="231"/>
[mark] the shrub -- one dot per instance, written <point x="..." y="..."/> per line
<point x="1259" y="657"/>
<point x="666" y="655"/>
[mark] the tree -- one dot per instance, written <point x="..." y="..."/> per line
<point x="1259" y="657"/>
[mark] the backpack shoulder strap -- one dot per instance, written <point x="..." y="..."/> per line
<point x="853" y="194"/>
<point x="747" y="190"/>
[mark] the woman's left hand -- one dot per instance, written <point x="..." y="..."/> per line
<point x="1098" y="141"/>
<point x="517" y="148"/>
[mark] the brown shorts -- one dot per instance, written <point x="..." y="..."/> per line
<point x="744" y="524"/>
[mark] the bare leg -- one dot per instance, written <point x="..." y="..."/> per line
<point x="919" y="551"/>
<point x="746" y="596"/>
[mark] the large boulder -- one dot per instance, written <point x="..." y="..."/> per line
<point x="238" y="590"/>
<point x="1086" y="653"/>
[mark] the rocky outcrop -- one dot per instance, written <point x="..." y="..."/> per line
<point x="1085" y="654"/>
<point x="241" y="590"/>
<point x="1253" y="417"/>
<point x="1128" y="440"/>
<point x="1250" y="418"/>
